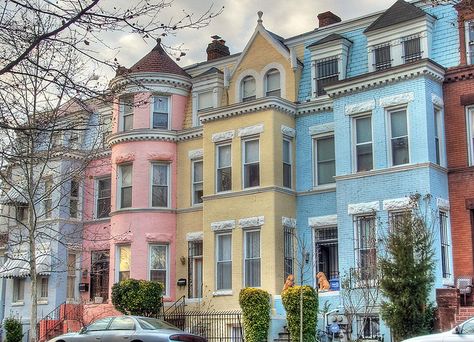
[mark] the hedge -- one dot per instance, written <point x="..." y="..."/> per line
<point x="291" y="302"/>
<point x="137" y="297"/>
<point x="14" y="330"/>
<point x="255" y="304"/>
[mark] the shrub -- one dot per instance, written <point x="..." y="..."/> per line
<point x="137" y="297"/>
<point x="291" y="302"/>
<point x="14" y="330"/>
<point x="255" y="304"/>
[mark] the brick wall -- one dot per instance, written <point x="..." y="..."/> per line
<point x="447" y="300"/>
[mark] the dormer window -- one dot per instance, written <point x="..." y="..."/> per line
<point x="272" y="83"/>
<point x="248" y="89"/>
<point x="382" y="57"/>
<point x="205" y="101"/>
<point x="470" y="41"/>
<point x="160" y="112"/>
<point x="327" y="73"/>
<point x="411" y="49"/>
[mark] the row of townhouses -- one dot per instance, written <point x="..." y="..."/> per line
<point x="209" y="172"/>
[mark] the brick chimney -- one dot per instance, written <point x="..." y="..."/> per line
<point x="328" y="18"/>
<point x="217" y="48"/>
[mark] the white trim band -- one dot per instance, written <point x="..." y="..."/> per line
<point x="222" y="136"/>
<point x="322" y="221"/>
<point x="250" y="130"/>
<point x="395" y="100"/>
<point x="363" y="208"/>
<point x="288" y="222"/>
<point x="195" y="236"/>
<point x="222" y="225"/>
<point x="255" y="221"/>
<point x="196" y="154"/>
<point x="397" y="203"/>
<point x="322" y="128"/>
<point x="360" y="107"/>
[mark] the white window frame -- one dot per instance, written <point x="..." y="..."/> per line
<point x="96" y="196"/>
<point x="413" y="58"/>
<point x="357" y="239"/>
<point x="317" y="78"/>
<point x="117" y="260"/>
<point x="389" y="112"/>
<point x="199" y="109"/>
<point x="354" y="140"/>
<point x="247" y="231"/>
<point x="290" y="154"/>
<point x="120" y="185"/>
<point x="153" y="99"/>
<point x="469" y="44"/>
<point x="194" y="183"/>
<point x="272" y="71"/>
<point x="439" y="135"/>
<point x="245" y="141"/>
<point x="315" y="138"/>
<point x="217" y="258"/>
<point x="217" y="167"/>
<point x="75" y="199"/>
<point x="18" y="293"/>
<point x="447" y="244"/>
<point x="122" y="113"/>
<point x="166" y="291"/>
<point x="242" y="86"/>
<point x="43" y="287"/>
<point x="168" y="184"/>
<point x="470" y="133"/>
<point x="71" y="276"/>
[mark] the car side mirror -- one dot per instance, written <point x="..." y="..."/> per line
<point x="457" y="330"/>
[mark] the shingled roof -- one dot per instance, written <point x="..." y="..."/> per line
<point x="157" y="60"/>
<point x="399" y="12"/>
<point x="327" y="39"/>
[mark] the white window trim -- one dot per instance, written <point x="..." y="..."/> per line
<point x="18" y="302"/>
<point x="193" y="162"/>
<point x="388" y="112"/>
<point x="76" y="262"/>
<point x="244" y="141"/>
<point x="117" y="259"/>
<point x="119" y="186"/>
<point x="447" y="281"/>
<point x="96" y="195"/>
<point x="258" y="84"/>
<point x="168" y="183"/>
<point x="354" y="118"/>
<point x="152" y="104"/>
<point x="356" y="236"/>
<point x="290" y="146"/>
<point x="439" y="116"/>
<point x="315" y="159"/>
<point x="314" y="227"/>
<point x="246" y="231"/>
<point x="469" y="43"/>
<point x="470" y="133"/>
<point x="150" y="246"/>
<point x="77" y="199"/>
<point x="217" y="166"/>
<point x="122" y="111"/>
<point x="223" y="291"/>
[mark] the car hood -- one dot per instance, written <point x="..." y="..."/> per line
<point x="64" y="335"/>
<point x="430" y="338"/>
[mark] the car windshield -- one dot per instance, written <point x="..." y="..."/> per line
<point x="154" y="324"/>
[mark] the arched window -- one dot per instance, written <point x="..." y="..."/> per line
<point x="272" y="83"/>
<point x="248" y="89"/>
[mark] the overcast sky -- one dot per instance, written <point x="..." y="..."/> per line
<point x="237" y="23"/>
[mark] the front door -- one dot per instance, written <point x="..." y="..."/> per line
<point x="99" y="291"/>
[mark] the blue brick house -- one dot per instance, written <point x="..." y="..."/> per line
<point x="371" y="118"/>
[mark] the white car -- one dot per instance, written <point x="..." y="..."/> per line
<point x="464" y="332"/>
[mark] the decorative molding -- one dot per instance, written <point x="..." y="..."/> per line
<point x="322" y="221"/>
<point x="160" y="156"/>
<point x="150" y="81"/>
<point x="288" y="222"/>
<point x="219" y="293"/>
<point x="222" y="225"/>
<point x="394" y="100"/>
<point x="190" y="134"/>
<point x="158" y="237"/>
<point x="443" y="204"/>
<point x="124" y="158"/>
<point x="122" y="238"/>
<point x="360" y="107"/>
<point x="315" y="105"/>
<point x="195" y="236"/>
<point x="250" y="191"/>
<point x="142" y="135"/>
<point x="437" y="101"/>
<point x="222" y="136"/>
<point x="288" y="131"/>
<point x="363" y="208"/>
<point x="196" y="154"/>
<point x="255" y="221"/>
<point x="321" y="129"/>
<point x="250" y="130"/>
<point x="397" y="203"/>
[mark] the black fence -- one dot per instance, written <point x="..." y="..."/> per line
<point x="215" y="326"/>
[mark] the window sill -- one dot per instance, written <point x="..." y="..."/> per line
<point x="448" y="282"/>
<point x="324" y="186"/>
<point x="100" y="219"/>
<point x="197" y="205"/>
<point x="328" y="293"/>
<point x="251" y="188"/>
<point x="193" y="300"/>
<point x="221" y="293"/>
<point x="18" y="303"/>
<point x="42" y="302"/>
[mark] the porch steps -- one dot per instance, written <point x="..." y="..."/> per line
<point x="464" y="313"/>
<point x="283" y="336"/>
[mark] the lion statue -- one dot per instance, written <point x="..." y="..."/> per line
<point x="322" y="281"/>
<point x="290" y="282"/>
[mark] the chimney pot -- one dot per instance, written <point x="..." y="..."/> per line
<point x="328" y="18"/>
<point x="217" y="48"/>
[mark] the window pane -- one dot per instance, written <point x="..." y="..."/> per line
<point x="252" y="272"/>
<point x="398" y="122"/>
<point x="224" y="275"/>
<point x="325" y="149"/>
<point x="251" y="151"/>
<point x="160" y="174"/>
<point x="251" y="175"/>
<point x="122" y="323"/>
<point x="287" y="175"/>
<point x="273" y="82"/>
<point x="197" y="171"/>
<point x="325" y="158"/>
<point x="252" y="244"/>
<point x="382" y="57"/>
<point x="205" y="100"/>
<point x="224" y="156"/>
<point x="124" y="258"/>
<point x="363" y="130"/>
<point x="198" y="193"/>
<point x="364" y="157"/>
<point x="160" y="120"/>
<point x="103" y="197"/>
<point x="126" y="197"/>
<point x="326" y="172"/>
<point x="126" y="174"/>
<point x="224" y="179"/>
<point x="286" y="152"/>
<point x="127" y="122"/>
<point x="248" y="88"/>
<point x="158" y="256"/>
<point x="159" y="197"/>
<point x="225" y="247"/>
<point x="160" y="104"/>
<point x="100" y="324"/>
<point x="412" y="49"/>
<point x="400" y="151"/>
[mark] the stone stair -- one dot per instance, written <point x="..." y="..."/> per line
<point x="283" y="336"/>
<point x="464" y="313"/>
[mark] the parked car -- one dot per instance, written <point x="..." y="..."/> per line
<point x="129" y="329"/>
<point x="463" y="332"/>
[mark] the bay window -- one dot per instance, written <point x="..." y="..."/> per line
<point x="160" y="115"/>
<point x="363" y="143"/>
<point x="324" y="160"/>
<point x="126" y="113"/>
<point x="160" y="185"/>
<point x="251" y="163"/>
<point x="125" y="186"/>
<point x="159" y="265"/>
<point x="224" y="168"/>
<point x="124" y="259"/>
<point x="399" y="137"/>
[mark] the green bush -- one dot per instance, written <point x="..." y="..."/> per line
<point x="291" y="302"/>
<point x="255" y="304"/>
<point x="137" y="297"/>
<point x="13" y="330"/>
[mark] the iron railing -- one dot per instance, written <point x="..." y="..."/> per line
<point x="49" y="326"/>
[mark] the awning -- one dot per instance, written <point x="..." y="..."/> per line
<point x="19" y="266"/>
<point x="15" y="195"/>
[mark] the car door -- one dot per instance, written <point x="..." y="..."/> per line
<point x="121" y="328"/>
<point x="95" y="330"/>
<point x="465" y="333"/>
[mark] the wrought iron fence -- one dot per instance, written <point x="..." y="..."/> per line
<point x="215" y="326"/>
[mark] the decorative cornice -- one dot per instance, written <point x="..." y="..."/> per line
<point x="437" y="101"/>
<point x="363" y="208"/>
<point x="288" y="131"/>
<point x="249" y="222"/>
<point x="246" y="192"/>
<point x="320" y="104"/>
<point x="143" y="81"/>
<point x="397" y="203"/>
<point x="397" y="99"/>
<point x="223" y="136"/>
<point x="195" y="236"/>
<point x="250" y="130"/>
<point x="261" y="104"/>
<point x="443" y="204"/>
<point x="142" y="135"/>
<point x="196" y="154"/>
<point x="322" y="221"/>
<point x="222" y="225"/>
<point x="190" y="134"/>
<point x="360" y="107"/>
<point x="288" y="222"/>
<point x="321" y="129"/>
<point x="424" y="67"/>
